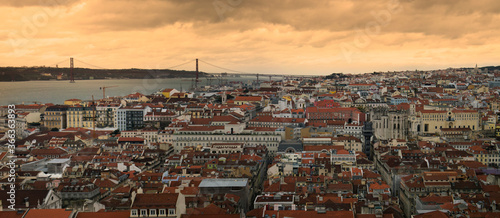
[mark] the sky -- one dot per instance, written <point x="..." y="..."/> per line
<point x="255" y="36"/>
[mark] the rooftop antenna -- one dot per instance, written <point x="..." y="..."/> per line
<point x="93" y="118"/>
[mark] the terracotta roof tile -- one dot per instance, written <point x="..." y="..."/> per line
<point x="52" y="213"/>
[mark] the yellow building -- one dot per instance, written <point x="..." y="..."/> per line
<point x="431" y="121"/>
<point x="483" y="89"/>
<point x="80" y="117"/>
<point x="497" y="131"/>
<point x="73" y="102"/>
<point x="169" y="92"/>
<point x="179" y="95"/>
<point x="490" y="123"/>
<point x="493" y="105"/>
<point x="289" y="133"/>
<point x="449" y="89"/>
<point x="241" y="100"/>
<point x="55" y="117"/>
<point x="484" y="156"/>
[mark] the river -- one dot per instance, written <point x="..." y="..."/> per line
<point x="56" y="91"/>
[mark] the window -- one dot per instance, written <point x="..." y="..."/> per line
<point x="161" y="212"/>
<point x="144" y="212"/>
<point x="134" y="212"/>
<point x="152" y="212"/>
<point x="171" y="211"/>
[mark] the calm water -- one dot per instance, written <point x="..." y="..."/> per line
<point x="57" y="91"/>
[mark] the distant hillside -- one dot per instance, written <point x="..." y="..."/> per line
<point x="43" y="73"/>
<point x="490" y="68"/>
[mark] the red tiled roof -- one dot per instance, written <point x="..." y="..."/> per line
<point x="190" y="191"/>
<point x="113" y="214"/>
<point x="164" y="200"/>
<point x="433" y="214"/>
<point x="464" y="111"/>
<point x="437" y="199"/>
<point x="210" y="209"/>
<point x="362" y="84"/>
<point x="248" y="98"/>
<point x="309" y="214"/>
<point x="130" y="139"/>
<point x="56" y="151"/>
<point x="11" y="214"/>
<point x="376" y="186"/>
<point x="433" y="111"/>
<point x="270" y="119"/>
<point x="201" y="128"/>
<point x="52" y="213"/>
<point x="321" y="147"/>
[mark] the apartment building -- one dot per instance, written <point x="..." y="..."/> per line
<point x="106" y="115"/>
<point x="205" y="136"/>
<point x="431" y="121"/>
<point x="55" y="117"/>
<point x="131" y="117"/>
<point x="79" y="116"/>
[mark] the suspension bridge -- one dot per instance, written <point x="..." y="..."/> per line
<point x="209" y="77"/>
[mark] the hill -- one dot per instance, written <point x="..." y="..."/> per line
<point x="45" y="73"/>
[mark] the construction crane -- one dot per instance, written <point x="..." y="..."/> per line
<point x="94" y="115"/>
<point x="103" y="88"/>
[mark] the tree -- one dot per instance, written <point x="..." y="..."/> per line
<point x="361" y="108"/>
<point x="54" y="130"/>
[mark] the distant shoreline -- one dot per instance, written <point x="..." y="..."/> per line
<point x="76" y="80"/>
<point x="8" y="74"/>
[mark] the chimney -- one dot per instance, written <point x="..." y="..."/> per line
<point x="320" y="198"/>
<point x="27" y="201"/>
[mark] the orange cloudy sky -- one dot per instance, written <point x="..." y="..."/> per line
<point x="258" y="36"/>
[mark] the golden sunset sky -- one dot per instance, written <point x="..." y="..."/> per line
<point x="257" y="36"/>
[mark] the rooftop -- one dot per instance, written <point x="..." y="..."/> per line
<point x="220" y="183"/>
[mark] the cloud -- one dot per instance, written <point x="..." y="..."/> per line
<point x="38" y="3"/>
<point x="448" y="18"/>
<point x="281" y="36"/>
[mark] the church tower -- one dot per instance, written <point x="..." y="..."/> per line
<point x="224" y="97"/>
